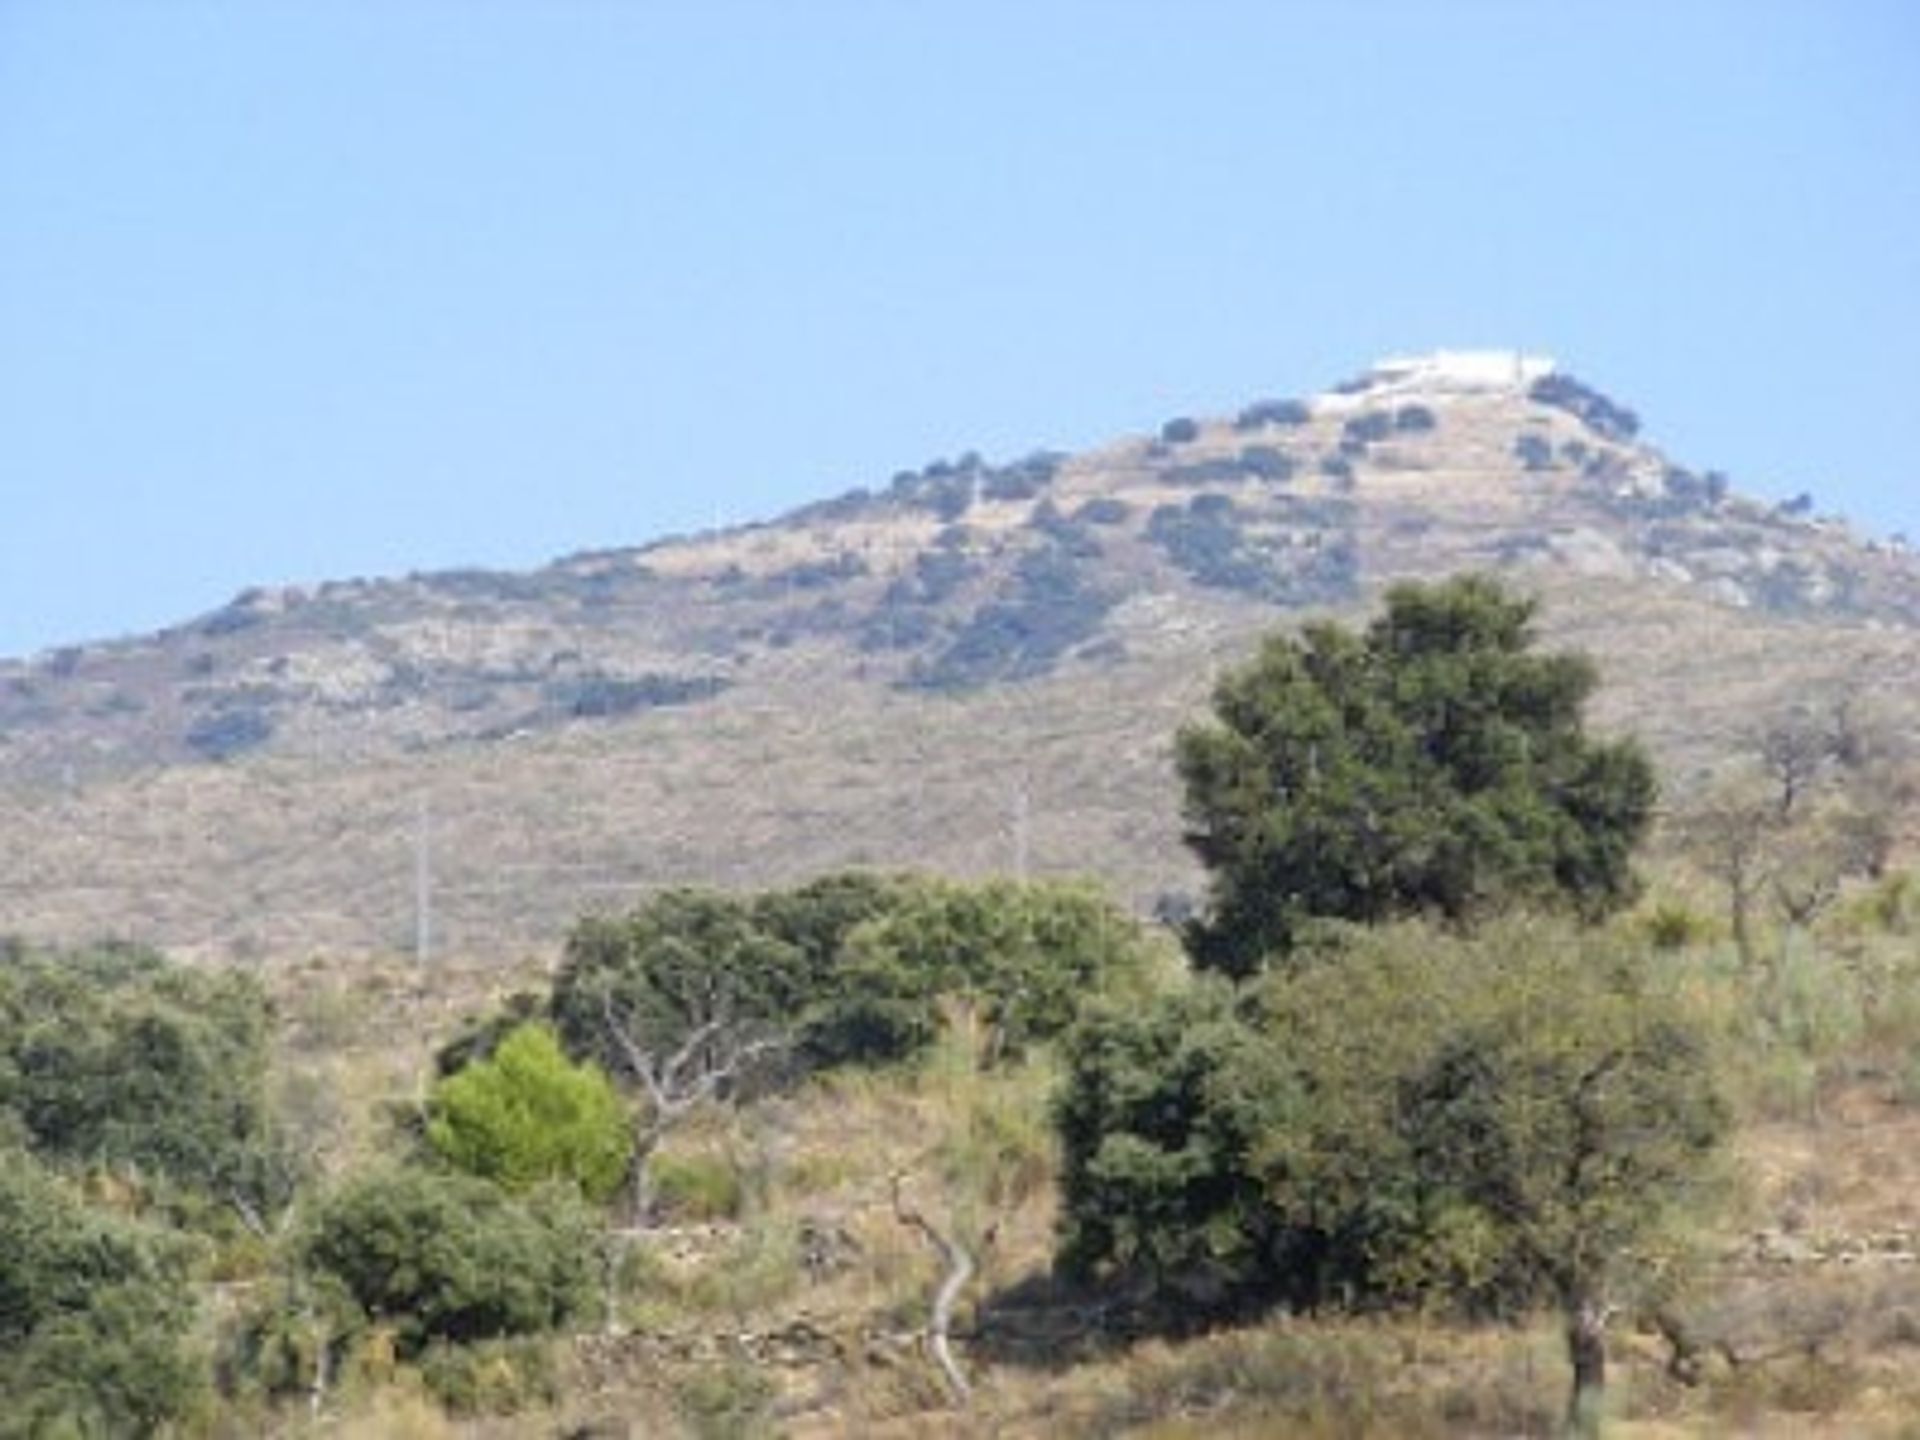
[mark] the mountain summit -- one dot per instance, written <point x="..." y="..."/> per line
<point x="891" y="675"/>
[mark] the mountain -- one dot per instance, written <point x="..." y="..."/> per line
<point x="972" y="667"/>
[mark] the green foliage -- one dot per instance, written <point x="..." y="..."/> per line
<point x="1024" y="956"/>
<point x="683" y="960"/>
<point x="850" y="968"/>
<point x="492" y="1377"/>
<point x="696" y="1188"/>
<point x="528" y="1114"/>
<point x="1431" y="763"/>
<point x="112" y="1057"/>
<point x="1157" y="1128"/>
<point x="733" y="1401"/>
<point x="95" y="1315"/>
<point x="1049" y="605"/>
<point x="452" y="1257"/>
<point x="1406" y="1117"/>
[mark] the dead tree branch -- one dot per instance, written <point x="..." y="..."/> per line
<point x="960" y="1268"/>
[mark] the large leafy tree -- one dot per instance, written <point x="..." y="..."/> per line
<point x="96" y="1315"/>
<point x="1403" y="1118"/>
<point x="1432" y="763"/>
<point x="113" y="1057"/>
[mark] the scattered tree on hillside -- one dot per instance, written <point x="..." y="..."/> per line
<point x="1431" y="763"/>
<point x="115" y="1058"/>
<point x="526" y="1114"/>
<point x="96" y="1315"/>
<point x="1409" y="1118"/>
<point x="1819" y="800"/>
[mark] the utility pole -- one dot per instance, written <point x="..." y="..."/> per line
<point x="1021" y="808"/>
<point x="422" y="886"/>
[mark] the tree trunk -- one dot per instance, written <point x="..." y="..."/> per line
<point x="1587" y="1349"/>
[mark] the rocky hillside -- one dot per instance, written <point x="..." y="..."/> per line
<point x="974" y="666"/>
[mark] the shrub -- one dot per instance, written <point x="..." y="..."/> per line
<point x="225" y="733"/>
<point x="114" y="1057"/>
<point x="1180" y="431"/>
<point x="1267" y="462"/>
<point x="1026" y="956"/>
<point x="696" y="1188"/>
<point x="1533" y="451"/>
<point x="1049" y="606"/>
<point x="1414" y="418"/>
<point x="453" y="1257"/>
<point x="491" y="1377"/>
<point x="527" y="1114"/>
<point x="1103" y="510"/>
<point x="602" y="697"/>
<point x="1599" y="413"/>
<point x="1272" y="412"/>
<point x="96" y="1315"/>
<point x="1365" y="428"/>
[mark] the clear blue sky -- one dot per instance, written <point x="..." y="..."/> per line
<point x="352" y="287"/>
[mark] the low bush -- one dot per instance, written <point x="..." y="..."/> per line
<point x="454" y="1258"/>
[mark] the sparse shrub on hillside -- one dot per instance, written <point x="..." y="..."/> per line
<point x="1272" y="412"/>
<point x="1599" y="413"/>
<point x="898" y="629"/>
<point x="1533" y="451"/>
<point x="936" y="576"/>
<point x="1024" y="479"/>
<point x="1072" y="536"/>
<point x="1414" y="418"/>
<point x="1338" y="468"/>
<point x="604" y="697"/>
<point x="1207" y="544"/>
<point x="1218" y="471"/>
<point x="1368" y="427"/>
<point x="229" y="731"/>
<point x="1180" y="431"/>
<point x="1049" y="607"/>
<point x="1103" y="510"/>
<point x="1267" y="462"/>
<point x="818" y="574"/>
<point x="1208" y="541"/>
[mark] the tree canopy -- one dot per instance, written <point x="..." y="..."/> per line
<point x="113" y="1057"/>
<point x="1432" y="763"/>
<point x="1409" y="1117"/>
<point x="527" y="1114"/>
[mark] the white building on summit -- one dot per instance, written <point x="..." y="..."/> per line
<point x="1443" y="372"/>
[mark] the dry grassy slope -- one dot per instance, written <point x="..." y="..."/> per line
<point x="368" y="699"/>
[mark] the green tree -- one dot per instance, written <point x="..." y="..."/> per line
<point x="454" y="1257"/>
<point x="1432" y="763"/>
<point x="1024" y="957"/>
<point x="1159" y="1118"/>
<point x="688" y="963"/>
<point x="527" y="1114"/>
<point x="1404" y="1117"/>
<point x="114" y="1057"/>
<point x="95" y="1315"/>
